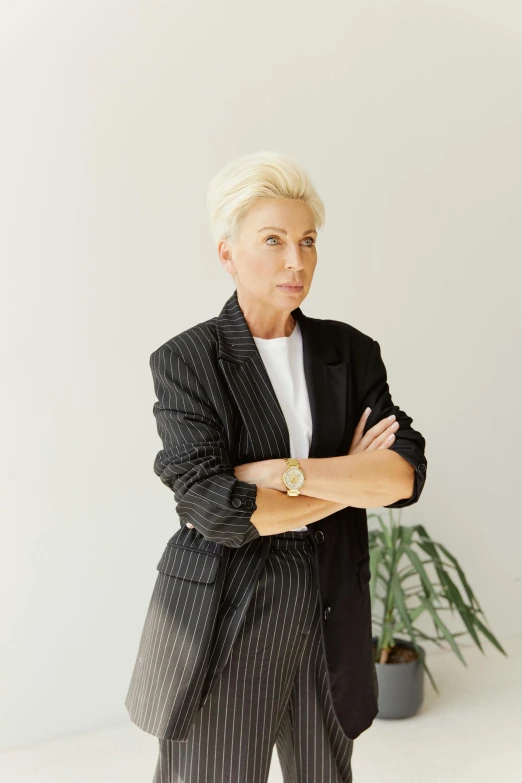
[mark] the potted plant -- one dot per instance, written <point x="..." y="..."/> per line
<point x="402" y="589"/>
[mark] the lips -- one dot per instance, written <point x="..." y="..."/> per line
<point x="290" y="287"/>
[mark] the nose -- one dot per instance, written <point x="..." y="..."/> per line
<point x="293" y="261"/>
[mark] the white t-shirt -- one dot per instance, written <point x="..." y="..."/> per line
<point x="283" y="359"/>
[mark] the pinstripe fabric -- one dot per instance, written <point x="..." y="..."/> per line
<point x="216" y="408"/>
<point x="273" y="690"/>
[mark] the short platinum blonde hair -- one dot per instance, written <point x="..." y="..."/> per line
<point x="241" y="183"/>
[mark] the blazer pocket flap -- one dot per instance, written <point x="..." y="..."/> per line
<point x="186" y="563"/>
<point x="363" y="571"/>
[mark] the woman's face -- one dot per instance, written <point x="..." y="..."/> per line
<point x="275" y="245"/>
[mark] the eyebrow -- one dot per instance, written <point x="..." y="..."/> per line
<point x="282" y="230"/>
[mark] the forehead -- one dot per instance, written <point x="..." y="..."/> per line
<point x="282" y="215"/>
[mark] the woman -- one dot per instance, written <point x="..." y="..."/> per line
<point x="278" y="431"/>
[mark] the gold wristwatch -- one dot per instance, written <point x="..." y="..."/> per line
<point x="293" y="477"/>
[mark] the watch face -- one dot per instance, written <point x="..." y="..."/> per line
<point x="294" y="478"/>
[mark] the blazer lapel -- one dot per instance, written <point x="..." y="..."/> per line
<point x="250" y="386"/>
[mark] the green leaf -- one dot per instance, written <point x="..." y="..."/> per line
<point x="402" y="609"/>
<point x="442" y="627"/>
<point x="462" y="576"/>
<point x="488" y="634"/>
<point x="456" y="600"/>
<point x="426" y="582"/>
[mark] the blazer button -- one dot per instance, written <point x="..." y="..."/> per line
<point x="327" y="612"/>
<point x="236" y="502"/>
<point x="421" y="468"/>
<point x="319" y="536"/>
<point x="248" y="503"/>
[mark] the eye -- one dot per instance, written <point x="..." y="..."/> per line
<point x="310" y="238"/>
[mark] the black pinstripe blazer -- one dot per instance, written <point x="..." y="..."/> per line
<point x="216" y="408"/>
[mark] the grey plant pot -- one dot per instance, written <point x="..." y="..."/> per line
<point x="401" y="685"/>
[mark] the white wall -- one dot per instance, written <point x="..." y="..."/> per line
<point x="116" y="114"/>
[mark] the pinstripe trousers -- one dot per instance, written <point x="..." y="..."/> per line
<point x="273" y="690"/>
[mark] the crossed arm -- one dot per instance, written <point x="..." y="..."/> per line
<point x="367" y="477"/>
<point x="232" y="505"/>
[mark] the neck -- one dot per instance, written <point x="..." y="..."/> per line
<point x="265" y="323"/>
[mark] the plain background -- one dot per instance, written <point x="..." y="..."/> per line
<point x="115" y="115"/>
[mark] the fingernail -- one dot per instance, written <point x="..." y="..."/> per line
<point x="367" y="410"/>
<point x="391" y="418"/>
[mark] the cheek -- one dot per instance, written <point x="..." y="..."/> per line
<point x="262" y="269"/>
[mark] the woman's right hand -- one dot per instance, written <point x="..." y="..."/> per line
<point x="378" y="437"/>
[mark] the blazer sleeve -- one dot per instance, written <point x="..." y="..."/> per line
<point x="194" y="462"/>
<point x="409" y="443"/>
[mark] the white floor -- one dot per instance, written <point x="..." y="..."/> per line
<point x="471" y="733"/>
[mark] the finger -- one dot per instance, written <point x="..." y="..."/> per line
<point x="189" y="524"/>
<point x="358" y="431"/>
<point x="362" y="421"/>
<point x="377" y="430"/>
<point x="365" y="414"/>
<point x="385" y="439"/>
<point x="387" y="442"/>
